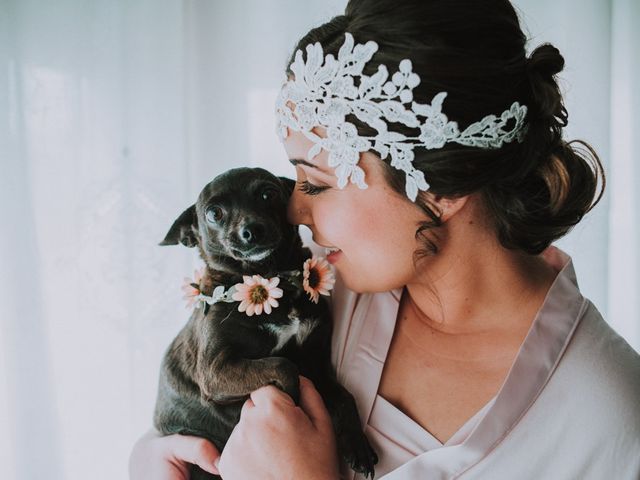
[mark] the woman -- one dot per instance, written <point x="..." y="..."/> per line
<point x="430" y="161"/>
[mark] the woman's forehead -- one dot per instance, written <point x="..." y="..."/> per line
<point x="297" y="146"/>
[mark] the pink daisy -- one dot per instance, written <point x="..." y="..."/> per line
<point x="257" y="294"/>
<point x="191" y="288"/>
<point x="317" y="278"/>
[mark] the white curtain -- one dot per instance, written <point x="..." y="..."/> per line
<point x="113" y="115"/>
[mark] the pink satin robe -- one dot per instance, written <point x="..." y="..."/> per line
<point x="569" y="407"/>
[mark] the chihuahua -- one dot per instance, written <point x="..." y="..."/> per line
<point x="221" y="355"/>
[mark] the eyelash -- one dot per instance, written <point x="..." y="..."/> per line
<point x="310" y="189"/>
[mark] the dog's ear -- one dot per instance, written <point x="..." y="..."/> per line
<point x="183" y="229"/>
<point x="289" y="184"/>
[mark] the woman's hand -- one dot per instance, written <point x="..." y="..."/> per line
<point x="169" y="458"/>
<point x="275" y="439"/>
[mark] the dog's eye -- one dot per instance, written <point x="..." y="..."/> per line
<point x="214" y="214"/>
<point x="269" y="194"/>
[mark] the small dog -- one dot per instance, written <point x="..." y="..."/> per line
<point x="221" y="355"/>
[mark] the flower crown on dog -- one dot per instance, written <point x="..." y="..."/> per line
<point x="257" y="294"/>
<point x="323" y="93"/>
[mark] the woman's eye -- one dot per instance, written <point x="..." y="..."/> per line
<point x="214" y="215"/>
<point x="311" y="189"/>
<point x="269" y="194"/>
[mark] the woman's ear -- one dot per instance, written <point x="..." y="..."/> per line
<point x="447" y="206"/>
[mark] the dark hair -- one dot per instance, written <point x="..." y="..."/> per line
<point x="534" y="191"/>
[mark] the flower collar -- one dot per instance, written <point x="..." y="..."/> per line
<point x="257" y="294"/>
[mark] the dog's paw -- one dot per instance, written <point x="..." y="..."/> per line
<point x="356" y="452"/>
<point x="286" y="378"/>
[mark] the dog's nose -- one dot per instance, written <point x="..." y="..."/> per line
<point x="252" y="233"/>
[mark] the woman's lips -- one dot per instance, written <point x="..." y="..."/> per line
<point x="334" y="256"/>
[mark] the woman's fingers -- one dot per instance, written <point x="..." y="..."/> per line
<point x="194" y="450"/>
<point x="277" y="439"/>
<point x="168" y="457"/>
<point x="310" y="401"/>
<point x="248" y="404"/>
<point x="313" y="405"/>
<point x="269" y="395"/>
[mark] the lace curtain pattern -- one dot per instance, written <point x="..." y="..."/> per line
<point x="114" y="114"/>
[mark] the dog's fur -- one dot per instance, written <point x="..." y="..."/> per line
<point x="222" y="355"/>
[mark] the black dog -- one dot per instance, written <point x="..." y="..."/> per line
<point x="221" y="355"/>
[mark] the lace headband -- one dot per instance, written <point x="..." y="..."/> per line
<point x="323" y="92"/>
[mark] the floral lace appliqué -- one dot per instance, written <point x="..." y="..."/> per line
<point x="323" y="93"/>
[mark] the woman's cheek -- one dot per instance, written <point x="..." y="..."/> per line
<point x="333" y="223"/>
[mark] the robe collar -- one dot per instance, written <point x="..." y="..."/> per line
<point x="535" y="362"/>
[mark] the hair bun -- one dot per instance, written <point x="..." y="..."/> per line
<point x="546" y="102"/>
<point x="545" y="60"/>
<point x="341" y="22"/>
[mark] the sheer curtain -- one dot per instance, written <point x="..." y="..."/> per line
<point x="113" y="115"/>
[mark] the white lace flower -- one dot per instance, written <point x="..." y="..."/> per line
<point x="323" y="93"/>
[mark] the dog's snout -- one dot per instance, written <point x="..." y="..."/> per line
<point x="252" y="233"/>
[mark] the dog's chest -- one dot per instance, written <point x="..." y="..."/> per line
<point x="298" y="329"/>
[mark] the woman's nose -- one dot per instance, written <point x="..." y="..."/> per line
<point x="297" y="212"/>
